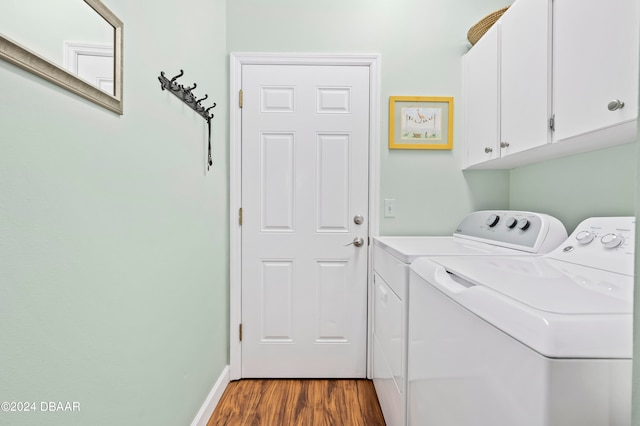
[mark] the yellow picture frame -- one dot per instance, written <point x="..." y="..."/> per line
<point x="420" y="122"/>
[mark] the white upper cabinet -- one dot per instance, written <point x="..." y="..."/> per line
<point x="526" y="76"/>
<point x="595" y="60"/>
<point x="575" y="61"/>
<point x="507" y="86"/>
<point x="481" y="88"/>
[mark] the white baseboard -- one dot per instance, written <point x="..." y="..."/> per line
<point x="212" y="400"/>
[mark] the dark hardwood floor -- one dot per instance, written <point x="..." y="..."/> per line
<point x="299" y="402"/>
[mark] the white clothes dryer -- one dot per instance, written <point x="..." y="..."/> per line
<point x="525" y="341"/>
<point x="514" y="233"/>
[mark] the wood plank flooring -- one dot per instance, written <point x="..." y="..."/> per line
<point x="299" y="402"/>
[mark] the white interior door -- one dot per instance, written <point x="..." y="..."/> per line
<point x="93" y="63"/>
<point x="305" y="138"/>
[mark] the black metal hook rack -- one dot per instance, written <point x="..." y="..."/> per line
<point x="186" y="95"/>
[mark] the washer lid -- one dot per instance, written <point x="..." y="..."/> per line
<point x="407" y="249"/>
<point x="548" y="285"/>
<point x="560" y="310"/>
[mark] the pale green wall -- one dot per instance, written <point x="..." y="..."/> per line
<point x="421" y="44"/>
<point x="113" y="239"/>
<point x="597" y="183"/>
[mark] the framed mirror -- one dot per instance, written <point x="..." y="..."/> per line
<point x="76" y="44"/>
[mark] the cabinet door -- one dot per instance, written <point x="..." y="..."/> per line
<point x="481" y="99"/>
<point x="525" y="75"/>
<point x="595" y="62"/>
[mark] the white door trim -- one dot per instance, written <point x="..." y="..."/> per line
<point x="237" y="60"/>
<point x="74" y="49"/>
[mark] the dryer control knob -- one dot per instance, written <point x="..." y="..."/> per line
<point x="584" y="237"/>
<point x="493" y="220"/>
<point x="612" y="240"/>
<point x="523" y="224"/>
<point x="511" y="222"/>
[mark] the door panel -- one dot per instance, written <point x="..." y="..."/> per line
<point x="277" y="192"/>
<point x="305" y="140"/>
<point x="276" y="290"/>
<point x="333" y="183"/>
<point x="331" y="301"/>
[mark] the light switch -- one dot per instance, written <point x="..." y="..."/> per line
<point x="389" y="207"/>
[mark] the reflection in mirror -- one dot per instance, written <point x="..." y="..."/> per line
<point x="76" y="44"/>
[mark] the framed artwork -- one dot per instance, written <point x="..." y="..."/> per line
<point x="420" y="122"/>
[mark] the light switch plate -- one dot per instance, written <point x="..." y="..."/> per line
<point x="389" y="207"/>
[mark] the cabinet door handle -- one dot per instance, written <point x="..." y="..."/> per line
<point x="488" y="150"/>
<point x="615" y="105"/>
<point x="504" y="144"/>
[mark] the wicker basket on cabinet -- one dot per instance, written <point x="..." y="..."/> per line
<point x="478" y="30"/>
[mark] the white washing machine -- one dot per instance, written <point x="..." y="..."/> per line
<point x="525" y="341"/>
<point x="480" y="233"/>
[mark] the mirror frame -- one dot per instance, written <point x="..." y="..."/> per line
<point x="36" y="64"/>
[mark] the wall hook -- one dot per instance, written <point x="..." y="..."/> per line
<point x="186" y="96"/>
<point x="202" y="99"/>
<point x="176" y="77"/>
<point x="161" y="78"/>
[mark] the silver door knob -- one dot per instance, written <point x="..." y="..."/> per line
<point x="357" y="241"/>
<point x="488" y="150"/>
<point x="504" y="144"/>
<point x="358" y="219"/>
<point x="615" y="105"/>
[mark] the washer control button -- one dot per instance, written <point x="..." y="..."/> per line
<point x="524" y="224"/>
<point x="584" y="237"/>
<point x="493" y="220"/>
<point x="612" y="240"/>
<point x="511" y="222"/>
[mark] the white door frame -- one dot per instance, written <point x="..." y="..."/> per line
<point x="237" y="60"/>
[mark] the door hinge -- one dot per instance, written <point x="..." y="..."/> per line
<point x="240" y="98"/>
<point x="552" y="123"/>
<point x="240" y="216"/>
<point x="240" y="331"/>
